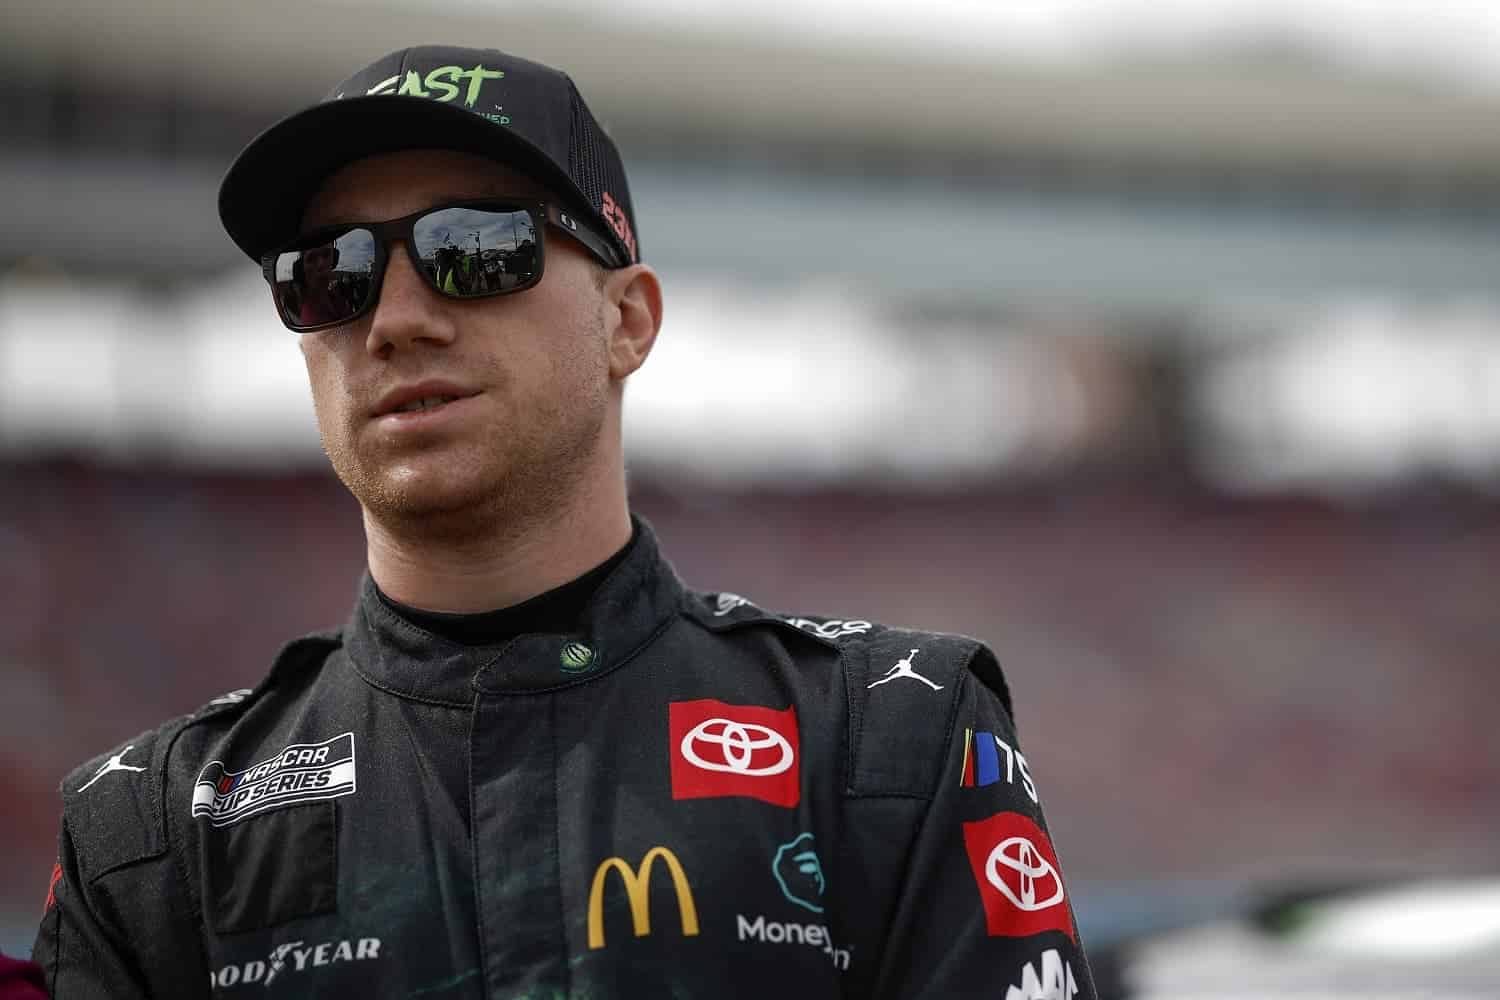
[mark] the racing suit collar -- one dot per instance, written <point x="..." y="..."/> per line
<point x="630" y="606"/>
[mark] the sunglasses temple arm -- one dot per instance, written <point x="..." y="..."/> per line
<point x="590" y="239"/>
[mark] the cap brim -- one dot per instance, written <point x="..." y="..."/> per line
<point x="264" y="193"/>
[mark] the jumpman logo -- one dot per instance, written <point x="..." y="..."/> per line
<point x="903" y="669"/>
<point x="113" y="764"/>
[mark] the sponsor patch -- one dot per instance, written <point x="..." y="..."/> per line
<point x="1055" y="982"/>
<point x="727" y="602"/>
<point x="638" y="891"/>
<point x="303" y="772"/>
<point x="576" y="657"/>
<point x="834" y="628"/>
<point x="294" y="957"/>
<point x="903" y="668"/>
<point x="792" y="932"/>
<point x="1019" y="880"/>
<point x="720" y="750"/>
<point x="115" y="763"/>
<point x="799" y="873"/>
<point x="989" y="760"/>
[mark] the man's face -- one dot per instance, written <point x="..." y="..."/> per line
<point x="530" y="371"/>
<point x="317" y="263"/>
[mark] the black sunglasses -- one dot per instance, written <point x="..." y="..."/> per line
<point x="468" y="250"/>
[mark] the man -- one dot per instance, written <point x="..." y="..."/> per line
<point x="611" y="785"/>
<point x="321" y="297"/>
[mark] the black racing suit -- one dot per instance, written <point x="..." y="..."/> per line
<point x="688" y="797"/>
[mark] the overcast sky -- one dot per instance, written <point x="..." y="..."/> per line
<point x="1455" y="40"/>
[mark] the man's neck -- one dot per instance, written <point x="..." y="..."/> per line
<point x="510" y="565"/>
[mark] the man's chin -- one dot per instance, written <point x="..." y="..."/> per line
<point x="430" y="496"/>
<point x="406" y="493"/>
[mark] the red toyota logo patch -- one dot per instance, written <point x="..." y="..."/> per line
<point x="718" y="750"/>
<point x="1019" y="880"/>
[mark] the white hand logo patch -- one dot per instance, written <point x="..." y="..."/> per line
<point x="113" y="764"/>
<point x="903" y="668"/>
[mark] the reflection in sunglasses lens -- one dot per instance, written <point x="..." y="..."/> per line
<point x="325" y="282"/>
<point x="466" y="253"/>
<point x="474" y="251"/>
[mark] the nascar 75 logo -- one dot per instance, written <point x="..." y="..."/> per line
<point x="303" y="772"/>
<point x="982" y="762"/>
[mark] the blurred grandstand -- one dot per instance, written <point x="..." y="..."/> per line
<point x="1170" y="367"/>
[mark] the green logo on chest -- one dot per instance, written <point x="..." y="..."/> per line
<point x="576" y="657"/>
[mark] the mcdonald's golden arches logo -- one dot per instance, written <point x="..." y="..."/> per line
<point x="637" y="887"/>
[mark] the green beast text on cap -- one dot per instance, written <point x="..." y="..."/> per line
<point x="444" y="78"/>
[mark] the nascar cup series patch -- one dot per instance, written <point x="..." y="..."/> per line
<point x="303" y="772"/>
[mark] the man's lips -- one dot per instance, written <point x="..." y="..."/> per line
<point x="419" y="397"/>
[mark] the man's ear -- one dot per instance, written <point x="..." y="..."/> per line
<point x="635" y="294"/>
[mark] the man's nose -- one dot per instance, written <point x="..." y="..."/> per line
<point x="409" y="310"/>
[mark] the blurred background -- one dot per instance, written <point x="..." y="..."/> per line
<point x="1157" y="344"/>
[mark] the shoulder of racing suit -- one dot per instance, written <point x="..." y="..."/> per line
<point x="894" y="747"/>
<point x="114" y="823"/>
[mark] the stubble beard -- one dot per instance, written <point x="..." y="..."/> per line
<point x="496" y="488"/>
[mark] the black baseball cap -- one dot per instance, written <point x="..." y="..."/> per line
<point x="516" y="112"/>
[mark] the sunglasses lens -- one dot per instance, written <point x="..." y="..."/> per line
<point x="325" y="281"/>
<point x="468" y="252"/>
